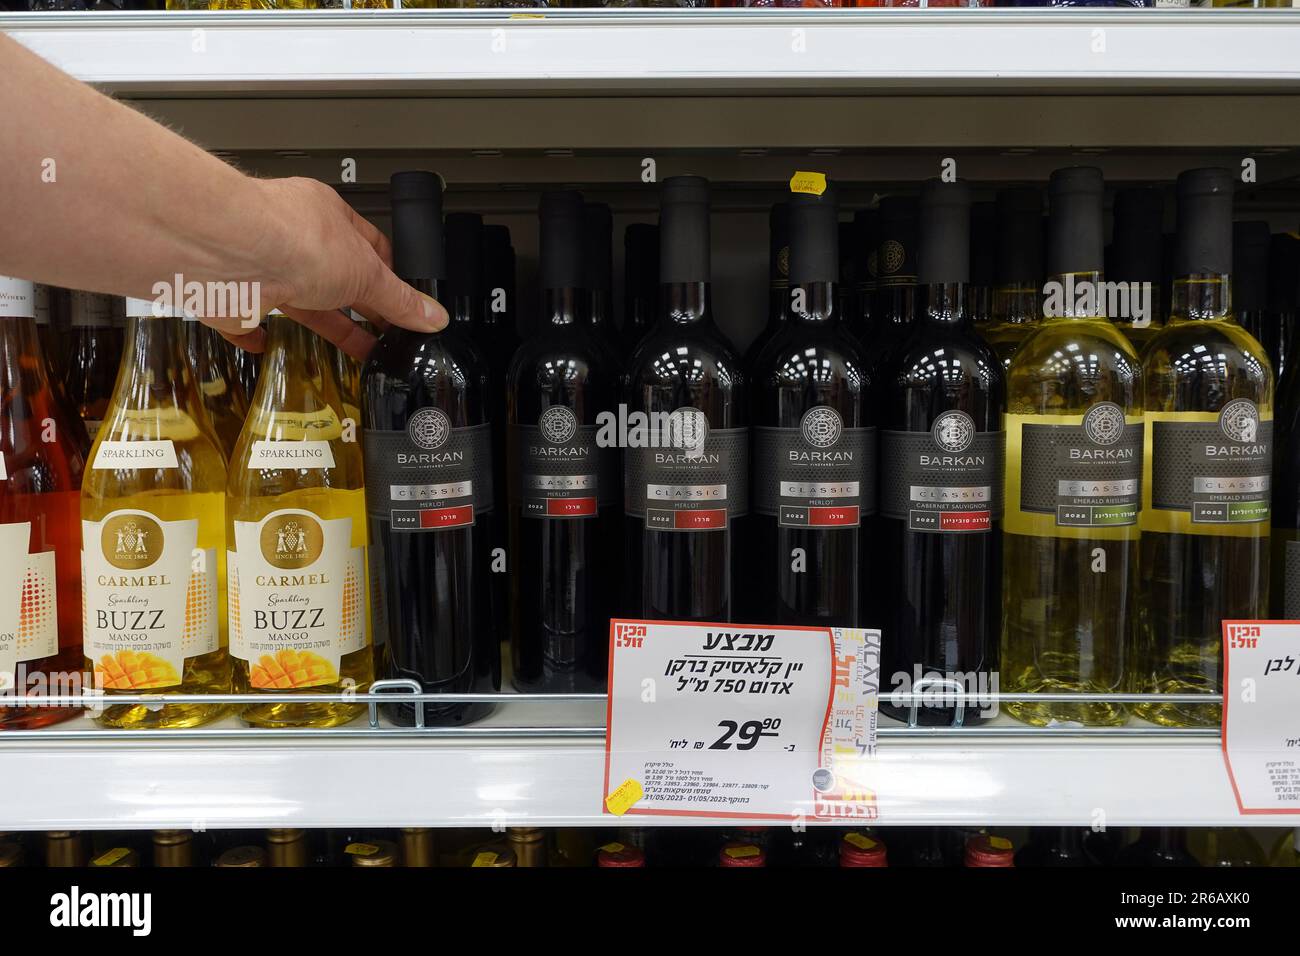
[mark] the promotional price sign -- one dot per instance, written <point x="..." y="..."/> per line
<point x="739" y="720"/>
<point x="1261" y="714"/>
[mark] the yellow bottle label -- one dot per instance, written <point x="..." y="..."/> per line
<point x="742" y="852"/>
<point x="28" y="603"/>
<point x="486" y="858"/>
<point x="149" y="599"/>
<point x="109" y="857"/>
<point x="1074" y="476"/>
<point x="624" y="796"/>
<point x="295" y="587"/>
<point x="1209" y="472"/>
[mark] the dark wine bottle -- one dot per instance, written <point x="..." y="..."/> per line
<point x="778" y="272"/>
<point x="429" y="494"/>
<point x="941" y="396"/>
<point x="598" y="271"/>
<point x="640" y="282"/>
<point x="814" y="443"/>
<point x="685" y="503"/>
<point x="565" y="525"/>
<point x="894" y="304"/>
<point x="1284" y="300"/>
<point x="1018" y="290"/>
<point x="1054" y="847"/>
<point x="1250" y="242"/>
<point x="1136" y="258"/>
<point x="1158" y="847"/>
<point x="860" y="320"/>
<point x="983" y="262"/>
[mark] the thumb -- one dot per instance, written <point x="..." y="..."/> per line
<point x="385" y="294"/>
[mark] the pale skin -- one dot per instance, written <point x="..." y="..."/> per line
<point x="132" y="204"/>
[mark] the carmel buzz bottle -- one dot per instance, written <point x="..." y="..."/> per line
<point x="1209" y="459"/>
<point x="296" y="538"/>
<point x="152" y="532"/>
<point x="1073" y="481"/>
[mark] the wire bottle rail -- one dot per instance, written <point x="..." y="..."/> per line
<point x="403" y="691"/>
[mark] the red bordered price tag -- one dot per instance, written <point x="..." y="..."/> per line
<point x="1261" y="714"/>
<point x="741" y="721"/>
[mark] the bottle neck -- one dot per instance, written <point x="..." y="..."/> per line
<point x="563" y="306"/>
<point x="156" y="373"/>
<point x="1072" y="296"/>
<point x="945" y="304"/>
<point x="297" y="374"/>
<point x="778" y="302"/>
<point x="1017" y="304"/>
<point x="895" y="304"/>
<point x="812" y="303"/>
<point x="599" y="300"/>
<point x="685" y="303"/>
<point x="1203" y="297"/>
<point x="21" y="358"/>
<point x="467" y="309"/>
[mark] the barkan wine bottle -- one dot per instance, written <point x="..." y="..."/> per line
<point x="686" y="496"/>
<point x="598" y="271"/>
<point x="941" y="397"/>
<point x="1073" y="481"/>
<point x="983" y="262"/>
<point x="1017" y="294"/>
<point x="894" y="305"/>
<point x="814" y="442"/>
<point x="1284" y="300"/>
<point x="43" y="449"/>
<point x="428" y="463"/>
<point x="1250" y="242"/>
<point x="565" y="526"/>
<point x="860" y="320"/>
<point x="640" y="282"/>
<point x="1209" y="461"/>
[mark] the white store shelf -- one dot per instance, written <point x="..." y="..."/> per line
<point x="1003" y="50"/>
<point x="369" y="779"/>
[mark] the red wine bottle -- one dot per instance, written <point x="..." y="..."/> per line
<point x="859" y="319"/>
<point x="43" y="450"/>
<point x="941" y="397"/>
<point x="429" y="491"/>
<point x="640" y="282"/>
<point x="778" y="283"/>
<point x="598" y="270"/>
<point x="685" y="498"/>
<point x="814" y="442"/>
<point x="894" y="302"/>
<point x="565" y="526"/>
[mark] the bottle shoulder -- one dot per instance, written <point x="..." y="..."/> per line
<point x="685" y="355"/>
<point x="1215" y="349"/>
<point x="1065" y="351"/>
<point x="934" y="355"/>
<point x="797" y="352"/>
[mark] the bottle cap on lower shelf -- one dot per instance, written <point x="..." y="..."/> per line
<point x="618" y="855"/>
<point x="987" y="850"/>
<point x="742" y="854"/>
<point x="861" y="849"/>
<point x="242" y="856"/>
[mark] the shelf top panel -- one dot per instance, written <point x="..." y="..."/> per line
<point x="617" y="52"/>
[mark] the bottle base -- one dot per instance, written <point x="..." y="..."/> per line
<point x="436" y="715"/>
<point x="1180" y="715"/>
<point x="33" y="718"/>
<point x="935" y="716"/>
<point x="166" y="717"/>
<point x="1048" y="714"/>
<point x="300" y="715"/>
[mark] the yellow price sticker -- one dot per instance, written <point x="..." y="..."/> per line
<point x="860" y="840"/>
<point x="486" y="858"/>
<point x="613" y="848"/>
<point x="741" y="852"/>
<point x="1000" y="843"/>
<point x="361" y="849"/>
<point x="814" y="184"/>
<point x="624" y="796"/>
<point x="109" y="857"/>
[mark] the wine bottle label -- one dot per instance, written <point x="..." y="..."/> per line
<point x="1291" y="588"/>
<point x="819" y="475"/>
<point x="697" y="481"/>
<point x="1209" y="469"/>
<point x="4" y="475"/>
<point x="90" y="310"/>
<point x="430" y="476"/>
<point x="294" y="585"/>
<point x="17" y="298"/>
<point x="307" y="453"/>
<point x="127" y="455"/>
<point x="946" y="480"/>
<point x="28" y="602"/>
<point x="563" y="472"/>
<point x="42" y="304"/>
<point x="1083" y="470"/>
<point x="149" y="599"/>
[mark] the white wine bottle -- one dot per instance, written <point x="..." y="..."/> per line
<point x="1074" y="466"/>
<point x="152" y="526"/>
<point x="296" y="534"/>
<point x="1209" y="459"/>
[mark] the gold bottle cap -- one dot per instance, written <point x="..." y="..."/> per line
<point x="494" y="855"/>
<point x="529" y="845"/>
<point x="286" y="847"/>
<point x="11" y="854"/>
<point x="120" y="856"/>
<point x="375" y="853"/>
<point x="242" y="856"/>
<point x="64" y="848"/>
<point x="418" y="847"/>
<point x="173" y="848"/>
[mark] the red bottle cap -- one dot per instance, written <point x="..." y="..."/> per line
<point x="742" y="854"/>
<point x="986" y="850"/>
<point x="860" y="849"/>
<point x="618" y="855"/>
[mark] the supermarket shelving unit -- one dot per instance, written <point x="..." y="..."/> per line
<point x="582" y="97"/>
